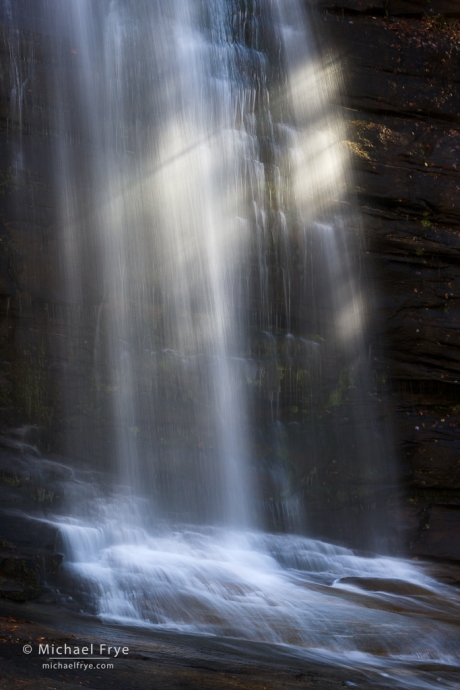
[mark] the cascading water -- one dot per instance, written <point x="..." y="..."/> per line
<point x="167" y="181"/>
<point x="214" y="328"/>
<point x="206" y="263"/>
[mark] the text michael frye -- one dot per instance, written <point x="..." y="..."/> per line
<point x="93" y="650"/>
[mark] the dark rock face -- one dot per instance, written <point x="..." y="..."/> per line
<point x="385" y="585"/>
<point x="29" y="487"/>
<point x="24" y="563"/>
<point x="401" y="62"/>
<point x="439" y="534"/>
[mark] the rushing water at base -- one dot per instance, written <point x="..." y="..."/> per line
<point x="213" y="327"/>
<point x="312" y="599"/>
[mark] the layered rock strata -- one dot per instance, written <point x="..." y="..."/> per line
<point x="401" y="61"/>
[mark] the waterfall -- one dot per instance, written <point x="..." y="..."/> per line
<point x="164" y="166"/>
<point x="217" y="397"/>
<point x="207" y="265"/>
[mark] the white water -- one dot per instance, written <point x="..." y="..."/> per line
<point x="279" y="589"/>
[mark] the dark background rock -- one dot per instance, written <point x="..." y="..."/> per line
<point x="390" y="8"/>
<point x="29" y="487"/>
<point x="439" y="534"/>
<point x="401" y="99"/>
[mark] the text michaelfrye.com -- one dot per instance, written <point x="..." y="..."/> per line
<point x="77" y="665"/>
<point x="84" y="658"/>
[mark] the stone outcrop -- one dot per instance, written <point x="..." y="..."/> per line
<point x="30" y="486"/>
<point x="401" y="61"/>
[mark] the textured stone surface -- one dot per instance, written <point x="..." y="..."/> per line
<point x="439" y="535"/>
<point x="401" y="99"/>
<point x="29" y="486"/>
<point x="391" y="8"/>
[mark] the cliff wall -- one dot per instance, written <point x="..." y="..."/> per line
<point x="401" y="67"/>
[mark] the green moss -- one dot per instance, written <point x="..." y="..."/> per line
<point x="344" y="384"/>
<point x="440" y="496"/>
<point x="302" y="376"/>
<point x="42" y="495"/>
<point x="426" y="222"/>
<point x="10" y="480"/>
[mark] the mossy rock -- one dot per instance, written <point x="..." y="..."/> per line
<point x="16" y="591"/>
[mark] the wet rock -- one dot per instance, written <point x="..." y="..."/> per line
<point x="400" y="60"/>
<point x="449" y="573"/>
<point x="27" y="532"/>
<point x="27" y="480"/>
<point x="19" y="578"/>
<point x="395" y="8"/>
<point x="439" y="535"/>
<point x="389" y="586"/>
<point x="27" y="541"/>
<point x="15" y="591"/>
<point x="23" y="569"/>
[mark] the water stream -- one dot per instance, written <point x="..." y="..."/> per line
<point x="308" y="598"/>
<point x="215" y="368"/>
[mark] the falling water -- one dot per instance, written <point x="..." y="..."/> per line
<point x="215" y="325"/>
<point x="206" y="268"/>
<point x="164" y="168"/>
